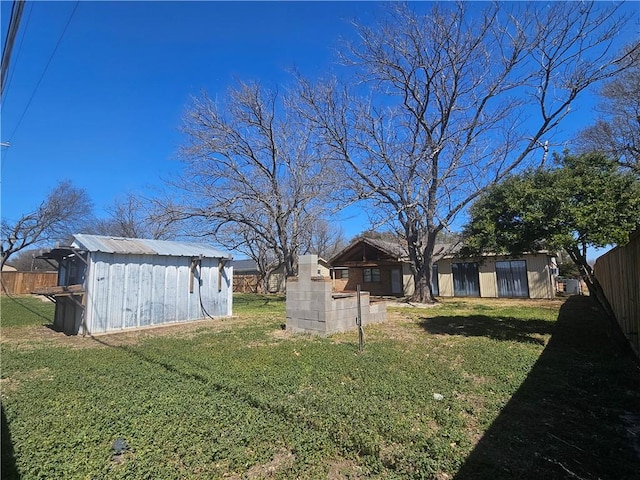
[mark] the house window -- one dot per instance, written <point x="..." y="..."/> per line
<point x="341" y="274"/>
<point x="371" y="275"/>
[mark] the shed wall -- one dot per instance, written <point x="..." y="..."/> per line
<point x="132" y="291"/>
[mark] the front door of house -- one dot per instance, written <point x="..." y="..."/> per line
<point x="396" y="281"/>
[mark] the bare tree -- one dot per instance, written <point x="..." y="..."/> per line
<point x="450" y="102"/>
<point x="255" y="177"/>
<point x="27" y="261"/>
<point x="65" y="208"/>
<point x="325" y="239"/>
<point x="133" y="216"/>
<point x="617" y="133"/>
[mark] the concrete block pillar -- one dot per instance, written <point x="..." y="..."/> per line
<point x="307" y="267"/>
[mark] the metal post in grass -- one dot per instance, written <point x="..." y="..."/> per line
<point x="359" y="322"/>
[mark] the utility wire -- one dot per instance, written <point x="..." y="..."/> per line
<point x="24" y="112"/>
<point x="6" y="88"/>
<point x="14" y="22"/>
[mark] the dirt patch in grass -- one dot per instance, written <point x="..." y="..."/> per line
<point x="282" y="460"/>
<point x="9" y="385"/>
<point x="27" y="338"/>
<point x="553" y="303"/>
<point x="344" y="469"/>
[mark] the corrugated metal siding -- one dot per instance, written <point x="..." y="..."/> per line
<point x="130" y="291"/>
<point x="98" y="243"/>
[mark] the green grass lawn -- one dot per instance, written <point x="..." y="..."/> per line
<point x="523" y="395"/>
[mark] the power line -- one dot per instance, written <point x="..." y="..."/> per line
<point x="6" y="88"/>
<point x="14" y="22"/>
<point x="24" y="112"/>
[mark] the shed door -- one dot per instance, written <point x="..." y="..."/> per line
<point x="465" y="280"/>
<point x="396" y="281"/>
<point x="512" y="278"/>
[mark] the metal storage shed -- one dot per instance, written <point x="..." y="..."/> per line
<point x="108" y="284"/>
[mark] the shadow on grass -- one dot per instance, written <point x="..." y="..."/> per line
<point x="8" y="468"/>
<point x="499" y="328"/>
<point x="571" y="418"/>
<point x="24" y="305"/>
<point x="213" y="384"/>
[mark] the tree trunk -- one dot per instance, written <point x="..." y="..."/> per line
<point x="423" y="271"/>
<point x="422" y="280"/>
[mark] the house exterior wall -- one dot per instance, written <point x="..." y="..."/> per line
<point x="538" y="276"/>
<point x="340" y="284"/>
<point x="445" y="278"/>
<point x="538" y="267"/>
<point x="408" y="283"/>
<point x="488" y="280"/>
<point x="132" y="291"/>
<point x="382" y="287"/>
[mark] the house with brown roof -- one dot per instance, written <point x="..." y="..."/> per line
<point x="382" y="267"/>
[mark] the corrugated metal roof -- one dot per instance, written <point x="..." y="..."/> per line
<point x="139" y="246"/>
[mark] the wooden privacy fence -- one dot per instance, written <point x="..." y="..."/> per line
<point x="17" y="283"/>
<point x="619" y="273"/>
<point x="246" y="284"/>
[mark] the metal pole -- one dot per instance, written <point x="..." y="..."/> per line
<point x="359" y="322"/>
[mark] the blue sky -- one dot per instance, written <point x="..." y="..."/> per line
<point x="108" y="107"/>
<point x="107" y="111"/>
